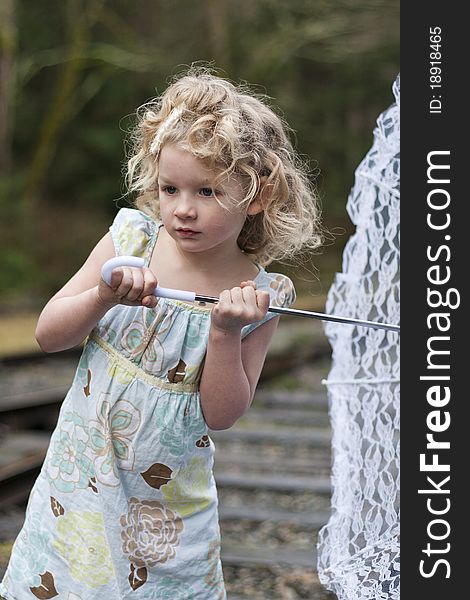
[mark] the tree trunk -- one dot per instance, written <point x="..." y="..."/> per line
<point x="218" y="32"/>
<point x="7" y="54"/>
<point x="62" y="97"/>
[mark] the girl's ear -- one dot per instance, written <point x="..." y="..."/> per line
<point x="257" y="205"/>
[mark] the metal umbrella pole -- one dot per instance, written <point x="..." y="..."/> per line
<point x="185" y="296"/>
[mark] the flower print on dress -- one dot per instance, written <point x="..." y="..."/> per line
<point x="70" y="462"/>
<point x="31" y="552"/>
<point x="179" y="434"/>
<point x="194" y="373"/>
<point x="106" y="333"/>
<point x="132" y="240"/>
<point x="150" y="532"/>
<point x="139" y="339"/>
<point x="214" y="577"/>
<point x="117" y="372"/>
<point x="136" y="339"/>
<point x="81" y="541"/>
<point x="190" y="491"/>
<point x="110" y="438"/>
<point x="285" y="293"/>
<point x="179" y="437"/>
<point x="196" y="333"/>
<point x="170" y="589"/>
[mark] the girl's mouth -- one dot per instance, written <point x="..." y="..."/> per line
<point x="187" y="232"/>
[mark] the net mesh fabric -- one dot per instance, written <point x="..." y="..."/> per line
<point x="359" y="547"/>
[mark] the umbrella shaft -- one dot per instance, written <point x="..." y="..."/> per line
<point x="316" y="315"/>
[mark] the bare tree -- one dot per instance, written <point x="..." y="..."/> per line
<point x="7" y="54"/>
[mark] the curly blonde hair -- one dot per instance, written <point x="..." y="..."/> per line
<point x="236" y="133"/>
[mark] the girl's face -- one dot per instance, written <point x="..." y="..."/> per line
<point x="189" y="211"/>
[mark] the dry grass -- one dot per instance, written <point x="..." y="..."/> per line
<point x="17" y="334"/>
<point x="5" y="551"/>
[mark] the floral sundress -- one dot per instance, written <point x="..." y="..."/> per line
<point x="125" y="505"/>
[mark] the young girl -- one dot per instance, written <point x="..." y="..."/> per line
<point x="125" y="505"/>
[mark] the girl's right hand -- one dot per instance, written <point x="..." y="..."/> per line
<point x="131" y="286"/>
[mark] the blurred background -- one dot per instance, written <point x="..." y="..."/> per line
<point x="72" y="74"/>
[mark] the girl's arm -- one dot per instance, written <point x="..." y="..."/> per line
<point x="232" y="366"/>
<point x="71" y="314"/>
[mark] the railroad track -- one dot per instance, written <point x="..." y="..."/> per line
<point x="272" y="471"/>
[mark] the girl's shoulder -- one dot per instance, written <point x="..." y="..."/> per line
<point x="280" y="287"/>
<point x="132" y="232"/>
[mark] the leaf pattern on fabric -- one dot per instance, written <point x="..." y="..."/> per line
<point x="204" y="442"/>
<point x="150" y="532"/>
<point x="111" y="438"/>
<point x="56" y="507"/>
<point x="47" y="587"/>
<point x="86" y="389"/>
<point x="178" y="373"/>
<point x="157" y="475"/>
<point x="190" y="491"/>
<point x="86" y="359"/>
<point x="81" y="541"/>
<point x="70" y="465"/>
<point x="137" y="577"/>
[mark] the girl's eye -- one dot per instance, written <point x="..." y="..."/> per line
<point x="169" y="189"/>
<point x="207" y="192"/>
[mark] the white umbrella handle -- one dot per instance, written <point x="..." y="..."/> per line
<point x="135" y="261"/>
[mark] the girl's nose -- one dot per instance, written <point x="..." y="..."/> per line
<point x="185" y="208"/>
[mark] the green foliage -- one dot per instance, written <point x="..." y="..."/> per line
<point x="80" y="68"/>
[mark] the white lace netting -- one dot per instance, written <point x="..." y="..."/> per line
<point x="359" y="547"/>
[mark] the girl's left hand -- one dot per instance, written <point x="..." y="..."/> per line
<point x="238" y="307"/>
